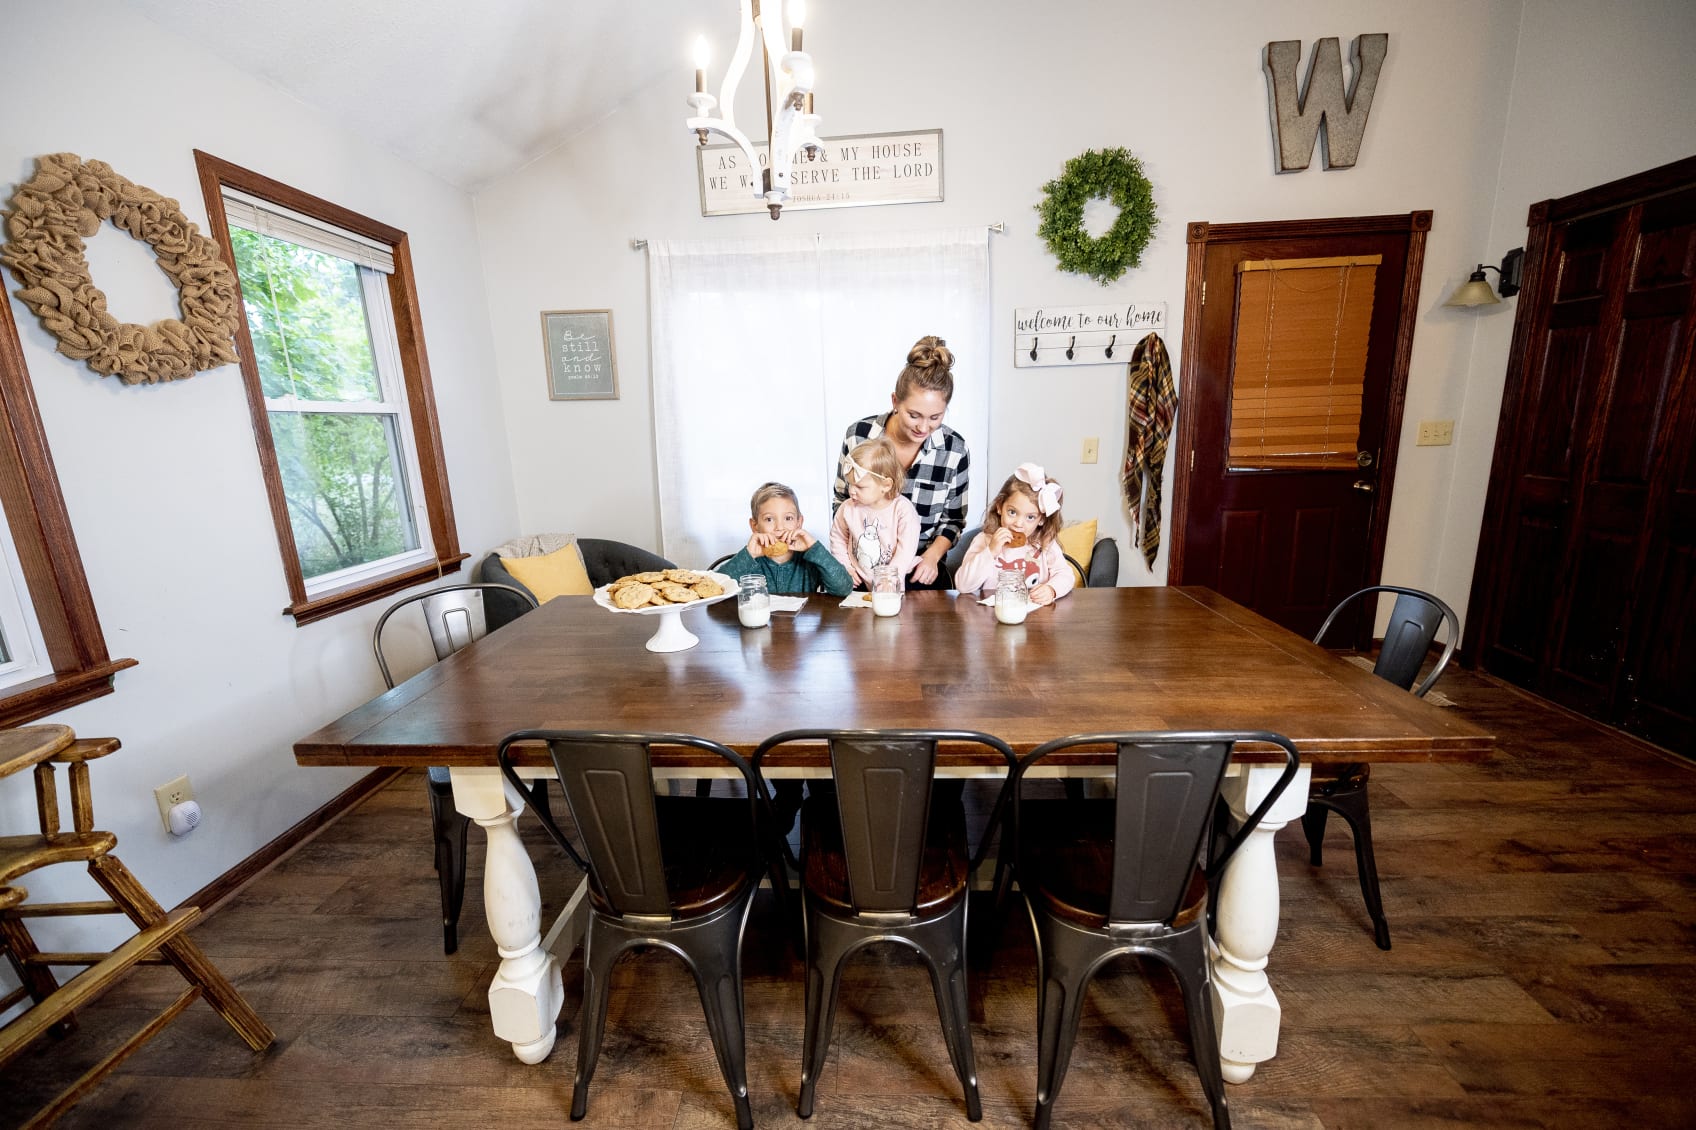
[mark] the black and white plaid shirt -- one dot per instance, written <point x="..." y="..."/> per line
<point x="936" y="484"/>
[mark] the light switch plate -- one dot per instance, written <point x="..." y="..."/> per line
<point x="1435" y="433"/>
<point x="1092" y="449"/>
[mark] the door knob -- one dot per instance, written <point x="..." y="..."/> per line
<point x="1362" y="484"/>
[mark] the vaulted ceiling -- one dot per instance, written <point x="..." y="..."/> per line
<point x="468" y="89"/>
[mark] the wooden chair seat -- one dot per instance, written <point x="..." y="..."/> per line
<point x="19" y="855"/>
<point x="1066" y="862"/>
<point x="944" y="866"/>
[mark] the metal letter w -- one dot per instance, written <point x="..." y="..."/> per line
<point x="1296" y="119"/>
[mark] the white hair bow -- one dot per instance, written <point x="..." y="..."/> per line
<point x="1047" y="494"/>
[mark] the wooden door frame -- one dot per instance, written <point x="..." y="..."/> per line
<point x="1531" y="319"/>
<point x="1201" y="234"/>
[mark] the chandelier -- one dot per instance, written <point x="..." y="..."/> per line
<point x="792" y="126"/>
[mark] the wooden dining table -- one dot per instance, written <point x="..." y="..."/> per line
<point x="1119" y="659"/>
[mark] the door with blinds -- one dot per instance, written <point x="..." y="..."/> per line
<point x="1296" y="349"/>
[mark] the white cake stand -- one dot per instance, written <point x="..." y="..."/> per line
<point x="672" y="635"/>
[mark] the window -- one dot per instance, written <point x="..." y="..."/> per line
<point x="338" y="383"/>
<point x="52" y="652"/>
<point x="766" y="349"/>
<point x="1299" y="367"/>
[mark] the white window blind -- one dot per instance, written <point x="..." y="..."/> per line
<point x="262" y="216"/>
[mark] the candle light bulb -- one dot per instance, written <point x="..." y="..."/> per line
<point x="797" y="17"/>
<point x="701" y="56"/>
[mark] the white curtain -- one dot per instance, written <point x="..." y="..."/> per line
<point x="765" y="350"/>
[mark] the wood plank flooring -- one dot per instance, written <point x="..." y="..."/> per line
<point x="1542" y="905"/>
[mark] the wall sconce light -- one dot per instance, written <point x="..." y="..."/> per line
<point x="1475" y="291"/>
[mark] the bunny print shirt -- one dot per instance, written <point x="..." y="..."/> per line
<point x="863" y="538"/>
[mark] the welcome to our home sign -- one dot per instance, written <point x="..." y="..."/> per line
<point x="851" y="172"/>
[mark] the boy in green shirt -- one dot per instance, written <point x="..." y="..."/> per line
<point x="783" y="552"/>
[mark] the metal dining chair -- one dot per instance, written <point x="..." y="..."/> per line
<point x="674" y="872"/>
<point x="1414" y="623"/>
<point x="885" y="859"/>
<point x="1125" y="874"/>
<point x="455" y="615"/>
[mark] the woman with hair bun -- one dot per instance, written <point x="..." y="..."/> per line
<point x="933" y="454"/>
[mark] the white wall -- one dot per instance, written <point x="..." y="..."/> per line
<point x="1017" y="89"/>
<point x="163" y="482"/>
<point x="1600" y="91"/>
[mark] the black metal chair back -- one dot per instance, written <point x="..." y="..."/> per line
<point x="455" y="616"/>
<point x="607" y="779"/>
<point x="697" y="907"/>
<point x="1168" y="792"/>
<point x="906" y="881"/>
<point x="1414" y="623"/>
<point x="1166" y="795"/>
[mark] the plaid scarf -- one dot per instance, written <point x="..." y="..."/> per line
<point x="1152" y="405"/>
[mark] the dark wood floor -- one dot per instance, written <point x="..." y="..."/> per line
<point x="1542" y="907"/>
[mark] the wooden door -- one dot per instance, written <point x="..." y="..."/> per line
<point x="1585" y="588"/>
<point x="1291" y="528"/>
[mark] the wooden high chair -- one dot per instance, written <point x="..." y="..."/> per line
<point x="160" y="936"/>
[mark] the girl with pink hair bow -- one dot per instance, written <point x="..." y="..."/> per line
<point x="1022" y="533"/>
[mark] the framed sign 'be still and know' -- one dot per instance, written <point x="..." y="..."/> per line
<point x="581" y="365"/>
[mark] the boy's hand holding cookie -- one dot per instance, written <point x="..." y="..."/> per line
<point x="801" y="541"/>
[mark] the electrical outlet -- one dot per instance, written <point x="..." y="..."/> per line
<point x="1435" y="433"/>
<point x="172" y="793"/>
<point x="1092" y="449"/>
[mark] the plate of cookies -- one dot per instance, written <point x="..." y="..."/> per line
<point x="666" y="593"/>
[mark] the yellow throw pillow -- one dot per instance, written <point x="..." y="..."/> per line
<point x="1077" y="541"/>
<point x="560" y="573"/>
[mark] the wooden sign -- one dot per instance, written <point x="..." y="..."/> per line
<point x="1082" y="335"/>
<point x="581" y="365"/>
<point x="851" y="172"/>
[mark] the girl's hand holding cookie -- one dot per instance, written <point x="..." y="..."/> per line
<point x="1042" y="594"/>
<point x="1001" y="539"/>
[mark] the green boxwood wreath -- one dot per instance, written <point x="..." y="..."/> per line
<point x="1110" y="173"/>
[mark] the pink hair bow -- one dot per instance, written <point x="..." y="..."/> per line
<point x="1047" y="494"/>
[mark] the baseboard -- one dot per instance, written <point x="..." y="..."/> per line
<point x="226" y="886"/>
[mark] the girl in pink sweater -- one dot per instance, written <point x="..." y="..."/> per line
<point x="877" y="525"/>
<point x="1021" y="532"/>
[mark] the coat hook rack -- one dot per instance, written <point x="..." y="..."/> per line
<point x="1071" y="347"/>
<point x="1033" y="349"/>
<point x="1110" y="347"/>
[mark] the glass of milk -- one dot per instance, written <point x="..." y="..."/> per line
<point x="753" y="602"/>
<point x="887" y="588"/>
<point x="1012" y="598"/>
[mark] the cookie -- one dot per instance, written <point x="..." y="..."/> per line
<point x="650" y="576"/>
<point x="633" y="595"/>
<point x="707" y="587"/>
<point x="675" y="592"/>
<point x="777" y="549"/>
<point x="683" y="576"/>
<point x="1018" y="540"/>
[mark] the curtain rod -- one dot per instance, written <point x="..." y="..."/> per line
<point x="998" y="228"/>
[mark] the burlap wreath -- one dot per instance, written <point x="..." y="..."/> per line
<point x="65" y="202"/>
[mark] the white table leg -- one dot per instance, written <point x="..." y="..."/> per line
<point x="1245" y="1010"/>
<point x="527" y="992"/>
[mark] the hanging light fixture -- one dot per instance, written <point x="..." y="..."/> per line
<point x="791" y="125"/>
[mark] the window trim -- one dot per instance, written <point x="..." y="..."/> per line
<point x="215" y="176"/>
<point x="46" y="554"/>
